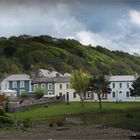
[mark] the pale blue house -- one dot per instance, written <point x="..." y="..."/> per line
<point x="21" y="83"/>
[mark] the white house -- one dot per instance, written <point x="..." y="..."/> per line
<point x="62" y="87"/>
<point x="120" y="88"/>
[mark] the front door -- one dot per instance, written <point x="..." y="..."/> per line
<point x="67" y="96"/>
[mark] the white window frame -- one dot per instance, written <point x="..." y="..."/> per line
<point x="35" y="87"/>
<point x="67" y="86"/>
<point x="43" y="86"/>
<point x="120" y="85"/>
<point x="127" y="94"/>
<point x="50" y="85"/>
<point x="50" y="93"/>
<point x="22" y="91"/>
<point x="14" y="84"/>
<point x="60" y="86"/>
<point x="113" y="94"/>
<point x="22" y="84"/>
<point x="113" y="85"/>
<point x="74" y="95"/>
<point x="128" y="85"/>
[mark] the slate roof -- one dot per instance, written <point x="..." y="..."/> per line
<point x="122" y="78"/>
<point x="51" y="80"/>
<point x="18" y="77"/>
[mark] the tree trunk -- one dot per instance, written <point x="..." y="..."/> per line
<point x="100" y="102"/>
<point x="82" y="101"/>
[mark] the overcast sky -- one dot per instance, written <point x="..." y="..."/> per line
<point x="114" y="24"/>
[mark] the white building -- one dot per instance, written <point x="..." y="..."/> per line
<point x="120" y="88"/>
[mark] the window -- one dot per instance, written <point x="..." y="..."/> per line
<point x="127" y="85"/>
<point x="113" y="85"/>
<point x="21" y="83"/>
<point x="14" y="84"/>
<point x="74" y="94"/>
<point x="60" y="94"/>
<point x="43" y="86"/>
<point x="120" y="85"/>
<point x="50" y="86"/>
<point x="35" y="86"/>
<point x="113" y="94"/>
<point x="60" y="86"/>
<point x="127" y="94"/>
<point x="50" y="93"/>
<point x="67" y="86"/>
<point x="88" y="94"/>
<point x="22" y="91"/>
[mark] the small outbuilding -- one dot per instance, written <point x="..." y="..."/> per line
<point x="9" y="93"/>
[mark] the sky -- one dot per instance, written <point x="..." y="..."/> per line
<point x="114" y="24"/>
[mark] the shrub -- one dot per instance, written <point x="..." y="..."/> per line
<point x="2" y="112"/>
<point x="39" y="93"/>
<point x="27" y="122"/>
<point x="23" y="95"/>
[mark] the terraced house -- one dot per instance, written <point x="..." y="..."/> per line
<point x="54" y="84"/>
<point x="21" y="83"/>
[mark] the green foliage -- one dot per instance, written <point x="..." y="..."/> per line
<point x="24" y="53"/>
<point x="5" y="118"/>
<point x="100" y="85"/>
<point x="135" y="89"/>
<point x="39" y="92"/>
<point x="23" y="95"/>
<point x="79" y="81"/>
<point x="2" y="112"/>
<point x="27" y="122"/>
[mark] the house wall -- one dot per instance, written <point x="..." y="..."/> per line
<point x="66" y="91"/>
<point x="48" y="92"/>
<point x="3" y="85"/>
<point x="120" y="93"/>
<point x="26" y="87"/>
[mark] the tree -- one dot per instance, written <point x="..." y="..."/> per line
<point x="135" y="89"/>
<point x="79" y="81"/>
<point x="100" y="86"/>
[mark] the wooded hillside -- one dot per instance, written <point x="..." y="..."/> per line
<point x="25" y="53"/>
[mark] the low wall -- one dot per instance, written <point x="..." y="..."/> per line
<point x="16" y="106"/>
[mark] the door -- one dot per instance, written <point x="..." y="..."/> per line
<point x="67" y="96"/>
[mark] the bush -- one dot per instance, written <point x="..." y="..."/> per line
<point x="2" y="112"/>
<point x="27" y="122"/>
<point x="23" y="95"/>
<point x="39" y="93"/>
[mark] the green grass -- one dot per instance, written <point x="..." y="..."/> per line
<point x="75" y="108"/>
<point x="125" y="115"/>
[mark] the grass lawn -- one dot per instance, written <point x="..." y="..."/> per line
<point x="112" y="113"/>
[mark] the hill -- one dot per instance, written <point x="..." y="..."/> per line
<point x="25" y="53"/>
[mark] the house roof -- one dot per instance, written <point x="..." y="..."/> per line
<point x="122" y="78"/>
<point x="18" y="77"/>
<point x="51" y="80"/>
<point x="9" y="91"/>
<point x="48" y="73"/>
